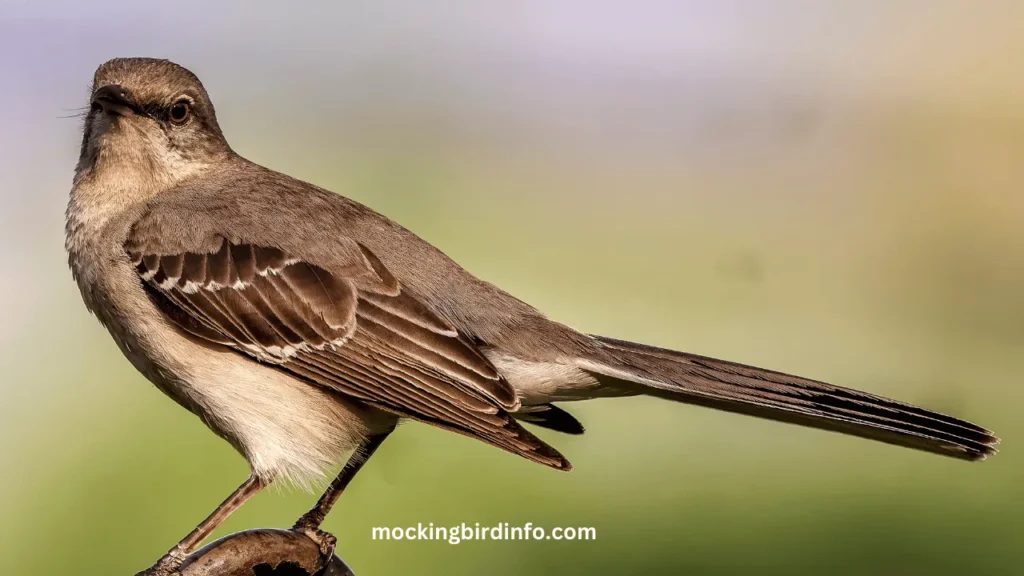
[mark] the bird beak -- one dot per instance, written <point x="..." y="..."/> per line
<point x="113" y="99"/>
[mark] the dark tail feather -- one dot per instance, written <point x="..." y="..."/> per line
<point x="551" y="417"/>
<point x="776" y="396"/>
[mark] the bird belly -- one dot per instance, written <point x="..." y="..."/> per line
<point x="286" y="428"/>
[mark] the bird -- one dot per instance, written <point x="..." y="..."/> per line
<point x="302" y="327"/>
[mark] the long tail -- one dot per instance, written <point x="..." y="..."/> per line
<point x="776" y="396"/>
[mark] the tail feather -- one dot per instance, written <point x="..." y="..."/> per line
<point x="777" y="396"/>
<point x="551" y="417"/>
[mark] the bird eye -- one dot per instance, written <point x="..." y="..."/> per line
<point x="180" y="112"/>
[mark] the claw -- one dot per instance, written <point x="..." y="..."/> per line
<point x="324" y="540"/>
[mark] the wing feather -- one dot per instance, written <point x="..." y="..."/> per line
<point x="372" y="341"/>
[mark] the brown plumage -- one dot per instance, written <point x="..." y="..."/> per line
<point x="300" y="325"/>
<point x="291" y="302"/>
<point x="777" y="396"/>
<point x="378" y="344"/>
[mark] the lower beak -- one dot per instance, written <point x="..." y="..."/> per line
<point x="113" y="99"/>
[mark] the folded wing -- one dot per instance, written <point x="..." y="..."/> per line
<point x="370" y="340"/>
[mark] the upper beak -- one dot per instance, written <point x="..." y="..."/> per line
<point x="113" y="98"/>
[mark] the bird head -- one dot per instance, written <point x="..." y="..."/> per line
<point x="149" y="119"/>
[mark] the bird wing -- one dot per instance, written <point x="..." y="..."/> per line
<point x="352" y="328"/>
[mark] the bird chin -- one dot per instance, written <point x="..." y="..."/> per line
<point x="98" y="130"/>
<point x="111" y="132"/>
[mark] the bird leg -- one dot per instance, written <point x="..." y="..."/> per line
<point x="309" y="523"/>
<point x="171" y="562"/>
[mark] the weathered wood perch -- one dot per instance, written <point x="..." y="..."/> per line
<point x="263" y="552"/>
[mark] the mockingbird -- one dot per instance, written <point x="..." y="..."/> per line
<point x="301" y="326"/>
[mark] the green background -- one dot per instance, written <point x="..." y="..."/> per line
<point x="829" y="189"/>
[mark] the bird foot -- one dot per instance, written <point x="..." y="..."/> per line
<point x="169" y="565"/>
<point x="324" y="540"/>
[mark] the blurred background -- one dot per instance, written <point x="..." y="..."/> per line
<point x="830" y="189"/>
